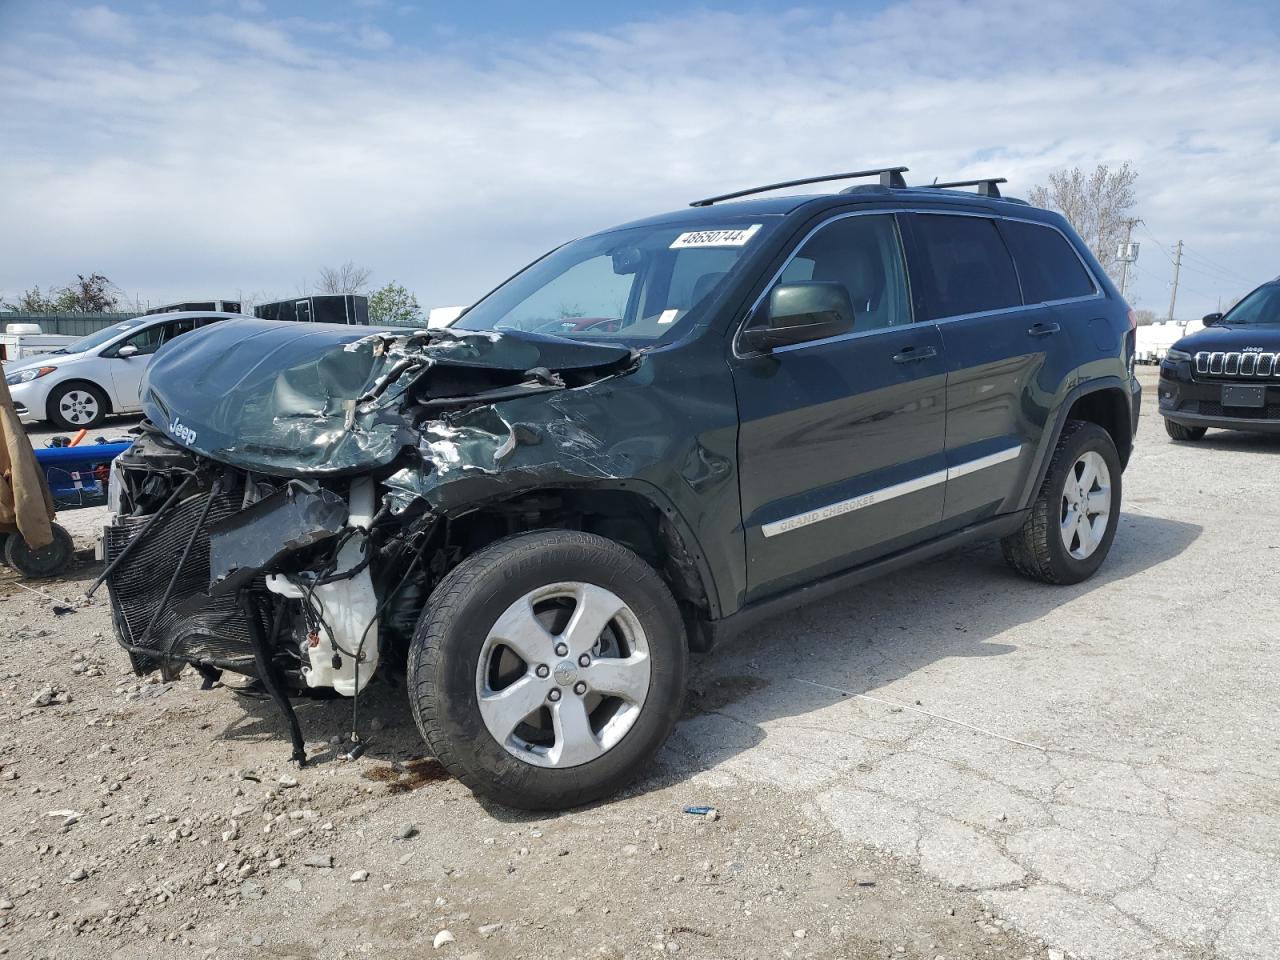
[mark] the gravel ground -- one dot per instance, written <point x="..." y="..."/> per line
<point x="951" y="762"/>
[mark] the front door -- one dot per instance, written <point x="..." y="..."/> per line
<point x="126" y="372"/>
<point x="840" y="442"/>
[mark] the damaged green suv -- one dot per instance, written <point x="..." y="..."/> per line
<point x="643" y="442"/>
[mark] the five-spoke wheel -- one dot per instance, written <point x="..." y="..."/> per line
<point x="563" y="674"/>
<point x="1086" y="505"/>
<point x="548" y="668"/>
<point x="1070" y="526"/>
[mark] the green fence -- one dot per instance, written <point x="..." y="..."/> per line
<point x="66" y="324"/>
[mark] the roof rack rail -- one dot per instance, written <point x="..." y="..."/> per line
<point x="889" y="177"/>
<point x="986" y="185"/>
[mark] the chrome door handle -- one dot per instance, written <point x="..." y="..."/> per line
<point x="1043" y="329"/>
<point x="912" y="354"/>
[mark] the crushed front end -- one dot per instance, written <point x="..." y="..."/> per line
<point x="281" y="518"/>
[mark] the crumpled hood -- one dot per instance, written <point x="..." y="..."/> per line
<point x="293" y="399"/>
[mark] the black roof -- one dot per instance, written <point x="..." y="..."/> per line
<point x="732" y="211"/>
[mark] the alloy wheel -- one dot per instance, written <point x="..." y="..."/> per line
<point x="563" y="674"/>
<point x="1086" y="505"/>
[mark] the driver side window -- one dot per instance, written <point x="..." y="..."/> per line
<point x="147" y="341"/>
<point x="864" y="255"/>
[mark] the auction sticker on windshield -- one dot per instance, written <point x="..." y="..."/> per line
<point x="729" y="237"/>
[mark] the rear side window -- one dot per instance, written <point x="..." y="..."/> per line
<point x="1047" y="265"/>
<point x="967" y="266"/>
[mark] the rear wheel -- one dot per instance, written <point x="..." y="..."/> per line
<point x="1069" y="530"/>
<point x="548" y="669"/>
<point x="78" y="406"/>
<point x="1183" y="434"/>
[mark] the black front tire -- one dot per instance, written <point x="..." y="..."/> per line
<point x="62" y="393"/>
<point x="446" y="648"/>
<point x="1037" y="550"/>
<point x="1183" y="434"/>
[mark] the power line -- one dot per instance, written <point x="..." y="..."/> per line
<point x="1217" y="266"/>
<point x="1228" y="274"/>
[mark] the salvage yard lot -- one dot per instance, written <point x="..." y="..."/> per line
<point x="951" y="761"/>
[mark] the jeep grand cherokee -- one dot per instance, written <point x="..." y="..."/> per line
<point x="643" y="442"/>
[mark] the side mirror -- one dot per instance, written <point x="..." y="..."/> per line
<point x="127" y="351"/>
<point x="1211" y="318"/>
<point x="798" y="313"/>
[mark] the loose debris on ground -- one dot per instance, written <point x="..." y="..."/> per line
<point x="154" y="819"/>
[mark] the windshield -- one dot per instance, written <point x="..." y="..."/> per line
<point x="634" y="285"/>
<point x="1260" y="307"/>
<point x="100" y="337"/>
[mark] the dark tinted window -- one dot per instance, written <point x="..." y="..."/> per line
<point x="178" y="327"/>
<point x="864" y="255"/>
<point x="1048" y="267"/>
<point x="970" y="270"/>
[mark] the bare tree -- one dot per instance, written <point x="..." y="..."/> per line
<point x="1095" y="204"/>
<point x="347" y="278"/>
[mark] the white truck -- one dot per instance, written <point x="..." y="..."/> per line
<point x="22" y="341"/>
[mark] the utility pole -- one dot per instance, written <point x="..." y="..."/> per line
<point x="1177" y="267"/>
<point x="1128" y="252"/>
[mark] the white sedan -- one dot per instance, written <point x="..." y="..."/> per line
<point x="78" y="386"/>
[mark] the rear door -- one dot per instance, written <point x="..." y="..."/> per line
<point x="1007" y="355"/>
<point x="840" y="441"/>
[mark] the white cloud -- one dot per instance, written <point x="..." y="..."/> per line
<point x="102" y="23"/>
<point x="255" y="157"/>
<point x="256" y="38"/>
<point x="372" y="38"/>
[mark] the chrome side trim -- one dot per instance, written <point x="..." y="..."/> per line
<point x="839" y="509"/>
<point x="842" y="507"/>
<point x="990" y="460"/>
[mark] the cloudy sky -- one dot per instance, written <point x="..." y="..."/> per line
<point x="212" y="148"/>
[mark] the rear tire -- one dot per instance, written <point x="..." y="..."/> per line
<point x="43" y="563"/>
<point x="78" y="406"/>
<point x="1069" y="530"/>
<point x="548" y="669"/>
<point x="1183" y="434"/>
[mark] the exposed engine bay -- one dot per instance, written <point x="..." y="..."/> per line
<point x="296" y="493"/>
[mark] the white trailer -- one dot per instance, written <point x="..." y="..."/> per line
<point x="22" y="341"/>
<point x="1155" y="339"/>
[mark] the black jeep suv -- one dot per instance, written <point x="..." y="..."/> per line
<point x="1228" y="374"/>
<point x="641" y="443"/>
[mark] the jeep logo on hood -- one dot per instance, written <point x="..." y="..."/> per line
<point x="182" y="433"/>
